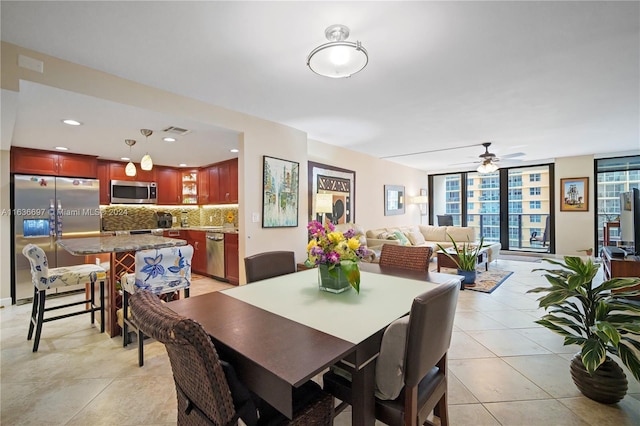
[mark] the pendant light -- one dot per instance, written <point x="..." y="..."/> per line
<point x="130" y="170"/>
<point x="146" y="163"/>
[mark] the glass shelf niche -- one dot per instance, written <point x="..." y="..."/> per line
<point x="190" y="188"/>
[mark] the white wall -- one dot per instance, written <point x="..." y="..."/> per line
<point x="574" y="230"/>
<point x="371" y="175"/>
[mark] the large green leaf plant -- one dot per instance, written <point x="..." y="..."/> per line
<point x="467" y="254"/>
<point x="597" y="319"/>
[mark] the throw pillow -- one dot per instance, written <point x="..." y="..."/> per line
<point x="390" y="362"/>
<point x="403" y="240"/>
<point x="416" y="238"/>
<point x="383" y="235"/>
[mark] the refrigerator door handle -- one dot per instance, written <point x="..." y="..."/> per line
<point x="59" y="221"/>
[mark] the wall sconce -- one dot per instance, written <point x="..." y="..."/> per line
<point x="324" y="204"/>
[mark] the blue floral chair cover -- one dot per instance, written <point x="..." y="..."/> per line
<point x="161" y="270"/>
<point x="45" y="278"/>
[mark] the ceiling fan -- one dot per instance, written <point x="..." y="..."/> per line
<point x="488" y="159"/>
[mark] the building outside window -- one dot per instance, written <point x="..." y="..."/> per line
<point x="535" y="190"/>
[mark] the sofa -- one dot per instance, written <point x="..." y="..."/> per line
<point x="421" y="235"/>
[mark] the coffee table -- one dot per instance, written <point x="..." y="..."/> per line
<point x="445" y="262"/>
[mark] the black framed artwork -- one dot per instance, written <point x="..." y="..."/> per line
<point x="334" y="186"/>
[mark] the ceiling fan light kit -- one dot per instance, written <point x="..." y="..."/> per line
<point x="338" y="58"/>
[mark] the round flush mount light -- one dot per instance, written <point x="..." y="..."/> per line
<point x="168" y="139"/>
<point x="338" y="58"/>
<point x="62" y="148"/>
<point x="71" y="122"/>
<point x="234" y="150"/>
<point x="182" y="165"/>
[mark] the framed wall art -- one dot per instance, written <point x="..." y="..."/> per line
<point x="332" y="192"/>
<point x="280" y="193"/>
<point x="393" y="200"/>
<point x="574" y="194"/>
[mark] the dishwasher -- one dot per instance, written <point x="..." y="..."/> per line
<point x="215" y="254"/>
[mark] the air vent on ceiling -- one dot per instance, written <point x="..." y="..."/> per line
<point x="177" y="130"/>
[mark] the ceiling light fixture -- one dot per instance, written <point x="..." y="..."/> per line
<point x="338" y="58"/>
<point x="234" y="150"/>
<point x="62" y="148"/>
<point x="487" y="166"/>
<point x="71" y="122"/>
<point x="168" y="139"/>
<point x="146" y="163"/>
<point x="130" y="170"/>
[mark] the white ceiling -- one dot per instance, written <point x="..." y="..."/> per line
<point x="547" y="79"/>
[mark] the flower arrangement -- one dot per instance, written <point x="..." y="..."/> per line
<point x="335" y="249"/>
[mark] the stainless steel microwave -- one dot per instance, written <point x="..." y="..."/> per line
<point x="130" y="192"/>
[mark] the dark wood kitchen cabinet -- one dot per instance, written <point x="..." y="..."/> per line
<point x="35" y="161"/>
<point x="117" y="172"/>
<point x="203" y="186"/>
<point x="198" y="239"/>
<point x="169" y="185"/>
<point x="105" y="182"/>
<point x="231" y="258"/>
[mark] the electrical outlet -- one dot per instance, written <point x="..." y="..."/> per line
<point x="210" y="218"/>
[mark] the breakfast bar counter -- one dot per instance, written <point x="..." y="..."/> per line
<point x="121" y="251"/>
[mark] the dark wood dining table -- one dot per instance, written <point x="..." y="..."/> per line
<point x="283" y="331"/>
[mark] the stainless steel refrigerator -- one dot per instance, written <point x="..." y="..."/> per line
<point x="47" y="208"/>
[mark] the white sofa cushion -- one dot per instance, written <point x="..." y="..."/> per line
<point x="460" y="234"/>
<point x="416" y="238"/>
<point x="434" y="233"/>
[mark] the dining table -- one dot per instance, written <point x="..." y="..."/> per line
<point x="280" y="332"/>
<point x="121" y="250"/>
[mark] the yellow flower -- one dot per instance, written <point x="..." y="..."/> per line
<point x="335" y="237"/>
<point x="230" y="216"/>
<point x="353" y="243"/>
<point x="311" y="245"/>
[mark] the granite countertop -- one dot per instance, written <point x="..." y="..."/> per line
<point x="118" y="243"/>
<point x="160" y="231"/>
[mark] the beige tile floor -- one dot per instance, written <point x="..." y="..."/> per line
<point x="505" y="370"/>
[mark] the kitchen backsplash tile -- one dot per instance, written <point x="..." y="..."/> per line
<point x="125" y="217"/>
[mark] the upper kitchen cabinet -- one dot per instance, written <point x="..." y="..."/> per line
<point x="203" y="186"/>
<point x="190" y="187"/>
<point x="35" y="161"/>
<point x="169" y="185"/>
<point x="117" y="172"/>
<point x="105" y="182"/>
<point x="223" y="182"/>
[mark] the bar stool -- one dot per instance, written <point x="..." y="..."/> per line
<point x="160" y="271"/>
<point x="44" y="279"/>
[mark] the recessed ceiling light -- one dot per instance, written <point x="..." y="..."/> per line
<point x="167" y="139"/>
<point x="125" y="158"/>
<point x="182" y="165"/>
<point x="62" y="148"/>
<point x="234" y="150"/>
<point x="71" y="122"/>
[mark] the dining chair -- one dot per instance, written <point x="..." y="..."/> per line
<point x="207" y="392"/>
<point x="406" y="257"/>
<point x="45" y="278"/>
<point x="445" y="220"/>
<point x="411" y="369"/>
<point x="269" y="264"/>
<point x="163" y="272"/>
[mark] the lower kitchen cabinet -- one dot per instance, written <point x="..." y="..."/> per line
<point x="198" y="239"/>
<point x="231" y="258"/>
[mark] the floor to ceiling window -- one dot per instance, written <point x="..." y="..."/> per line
<point x="614" y="176"/>
<point x="511" y="206"/>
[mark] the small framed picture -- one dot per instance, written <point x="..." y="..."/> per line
<point x="574" y="194"/>
<point x="393" y="200"/>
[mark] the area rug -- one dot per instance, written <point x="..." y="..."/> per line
<point x="487" y="281"/>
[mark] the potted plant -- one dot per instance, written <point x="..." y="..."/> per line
<point x="465" y="257"/>
<point x="600" y="319"/>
